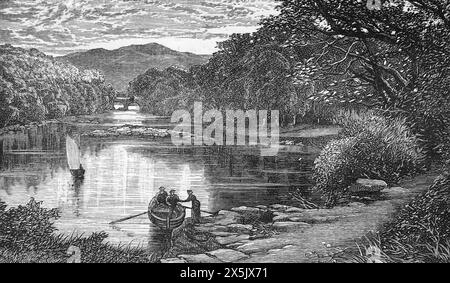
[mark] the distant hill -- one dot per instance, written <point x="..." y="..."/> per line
<point x="122" y="65"/>
<point x="34" y="87"/>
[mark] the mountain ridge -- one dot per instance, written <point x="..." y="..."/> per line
<point x="120" y="66"/>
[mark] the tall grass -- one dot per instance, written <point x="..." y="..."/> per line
<point x="396" y="251"/>
<point x="370" y="146"/>
<point x="420" y="232"/>
<point x="27" y="234"/>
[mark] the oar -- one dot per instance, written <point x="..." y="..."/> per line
<point x="126" y="218"/>
<point x="212" y="213"/>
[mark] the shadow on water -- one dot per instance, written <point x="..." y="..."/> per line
<point x="122" y="175"/>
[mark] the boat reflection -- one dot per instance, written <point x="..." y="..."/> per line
<point x="123" y="175"/>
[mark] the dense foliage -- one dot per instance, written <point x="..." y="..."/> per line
<point x="26" y="227"/>
<point x="242" y="75"/>
<point x="340" y="54"/>
<point x="396" y="58"/>
<point x="372" y="146"/>
<point x="162" y="92"/>
<point x="28" y="234"/>
<point x="422" y="229"/>
<point x="34" y="87"/>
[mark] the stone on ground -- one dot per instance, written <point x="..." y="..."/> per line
<point x="228" y="255"/>
<point x="368" y="186"/>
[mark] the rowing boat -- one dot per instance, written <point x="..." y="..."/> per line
<point x="157" y="213"/>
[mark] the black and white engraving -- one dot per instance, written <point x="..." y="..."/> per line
<point x="224" y="131"/>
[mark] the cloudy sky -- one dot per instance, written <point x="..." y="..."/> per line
<point x="63" y="26"/>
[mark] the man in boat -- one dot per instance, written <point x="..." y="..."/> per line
<point x="172" y="201"/>
<point x="195" y="206"/>
<point x="162" y="196"/>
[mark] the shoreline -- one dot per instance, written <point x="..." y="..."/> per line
<point x="273" y="233"/>
<point x="297" y="234"/>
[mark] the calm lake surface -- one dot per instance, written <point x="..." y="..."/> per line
<point x="123" y="174"/>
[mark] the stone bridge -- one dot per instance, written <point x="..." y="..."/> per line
<point x="125" y="101"/>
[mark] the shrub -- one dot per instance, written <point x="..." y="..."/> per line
<point x="26" y="227"/>
<point x="334" y="168"/>
<point x="423" y="226"/>
<point x="371" y="146"/>
<point x="27" y="234"/>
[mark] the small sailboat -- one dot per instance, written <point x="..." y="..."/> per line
<point x="74" y="158"/>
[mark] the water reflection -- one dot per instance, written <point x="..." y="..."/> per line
<point x="123" y="175"/>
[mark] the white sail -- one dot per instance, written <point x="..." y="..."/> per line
<point x="73" y="153"/>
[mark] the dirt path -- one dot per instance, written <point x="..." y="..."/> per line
<point x="350" y="222"/>
<point x="303" y="235"/>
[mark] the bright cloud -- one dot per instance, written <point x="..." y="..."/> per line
<point x="60" y="27"/>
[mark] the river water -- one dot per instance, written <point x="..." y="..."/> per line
<point x="123" y="174"/>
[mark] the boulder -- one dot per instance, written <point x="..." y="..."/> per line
<point x="367" y="186"/>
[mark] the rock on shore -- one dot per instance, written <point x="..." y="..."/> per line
<point x="368" y="186"/>
<point x="244" y="231"/>
<point x="129" y="130"/>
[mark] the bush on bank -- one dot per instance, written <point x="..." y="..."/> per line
<point x="27" y="234"/>
<point x="370" y="146"/>
<point x="421" y="230"/>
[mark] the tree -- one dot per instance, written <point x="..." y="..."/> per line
<point x="396" y="58"/>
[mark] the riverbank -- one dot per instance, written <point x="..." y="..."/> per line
<point x="255" y="233"/>
<point x="290" y="137"/>
<point x="27" y="235"/>
<point x="281" y="233"/>
<point x="272" y="233"/>
<point x="129" y="131"/>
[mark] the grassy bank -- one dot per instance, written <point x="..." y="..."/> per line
<point x="419" y="232"/>
<point x="27" y="235"/>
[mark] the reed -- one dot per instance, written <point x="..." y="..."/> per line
<point x="27" y="234"/>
